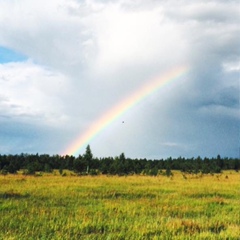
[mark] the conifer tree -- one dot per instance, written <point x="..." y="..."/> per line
<point x="88" y="156"/>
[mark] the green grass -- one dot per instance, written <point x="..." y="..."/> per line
<point x="111" y="207"/>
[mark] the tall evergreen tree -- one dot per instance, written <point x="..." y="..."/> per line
<point x="88" y="156"/>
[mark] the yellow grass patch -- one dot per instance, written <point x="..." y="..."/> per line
<point x="110" y="207"/>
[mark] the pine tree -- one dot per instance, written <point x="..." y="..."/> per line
<point x="88" y="156"/>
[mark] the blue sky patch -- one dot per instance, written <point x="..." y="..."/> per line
<point x="8" y="55"/>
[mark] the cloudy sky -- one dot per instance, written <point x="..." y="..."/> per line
<point x="65" y="63"/>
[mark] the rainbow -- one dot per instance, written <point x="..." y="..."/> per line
<point x="120" y="108"/>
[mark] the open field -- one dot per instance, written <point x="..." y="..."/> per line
<point x="111" y="207"/>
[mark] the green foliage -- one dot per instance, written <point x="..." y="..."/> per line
<point x="4" y="171"/>
<point x="61" y="170"/>
<point x="168" y="172"/>
<point x="93" y="172"/>
<point x="153" y="171"/>
<point x="119" y="165"/>
<point x="88" y="157"/>
<point x="31" y="169"/>
<point x="47" y="168"/>
<point x="79" y="164"/>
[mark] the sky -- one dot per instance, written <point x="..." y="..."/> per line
<point x="64" y="64"/>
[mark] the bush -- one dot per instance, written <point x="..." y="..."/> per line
<point x="168" y="172"/>
<point x="93" y="172"/>
<point x="4" y="171"/>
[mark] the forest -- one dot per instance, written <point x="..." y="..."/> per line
<point x="87" y="164"/>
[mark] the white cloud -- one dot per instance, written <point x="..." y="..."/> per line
<point x="32" y="92"/>
<point x="96" y="53"/>
<point x="231" y="66"/>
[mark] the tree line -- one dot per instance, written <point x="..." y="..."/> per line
<point x="119" y="165"/>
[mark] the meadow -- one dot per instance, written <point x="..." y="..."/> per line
<point x="51" y="206"/>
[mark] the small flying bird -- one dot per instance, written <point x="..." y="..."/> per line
<point x="122" y="121"/>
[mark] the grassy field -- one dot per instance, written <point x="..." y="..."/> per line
<point x="111" y="207"/>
